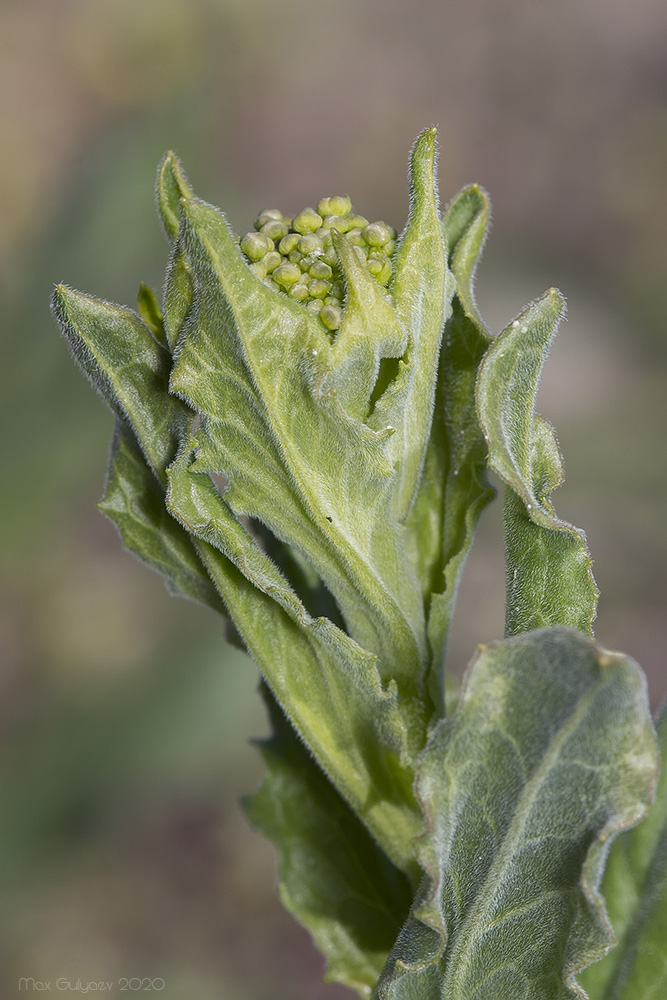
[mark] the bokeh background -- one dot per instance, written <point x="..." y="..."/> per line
<point x="124" y="720"/>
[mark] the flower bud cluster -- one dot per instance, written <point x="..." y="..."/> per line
<point x="296" y="256"/>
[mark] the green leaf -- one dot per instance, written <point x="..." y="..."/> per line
<point x="252" y="362"/>
<point x="150" y="312"/>
<point x="171" y="186"/>
<point x="129" y="367"/>
<point x="454" y="489"/>
<point x="333" y="876"/>
<point x="550" y="753"/>
<point x="549" y="576"/>
<point x="135" y="502"/>
<point x="635" y="889"/>
<point x="326" y="684"/>
<point x="422" y="290"/>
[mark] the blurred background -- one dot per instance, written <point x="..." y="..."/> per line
<point x="124" y="721"/>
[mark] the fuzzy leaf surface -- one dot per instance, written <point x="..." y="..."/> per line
<point x="250" y="361"/>
<point x="135" y="502"/>
<point x="550" y="753"/>
<point x="327" y="685"/>
<point x="635" y="889"/>
<point x="129" y="368"/>
<point x="454" y="488"/>
<point x="549" y="575"/>
<point x="334" y="878"/>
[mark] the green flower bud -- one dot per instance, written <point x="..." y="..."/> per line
<point x="338" y="289"/>
<point x="307" y="221"/>
<point x="325" y="236"/>
<point x="307" y="262"/>
<point x="275" y="229"/>
<point x="256" y="245"/>
<point x="318" y="288"/>
<point x="271" y="261"/>
<point x="329" y="256"/>
<point x="355" y="237"/>
<point x="357" y="221"/>
<point x="286" y="275"/>
<point x="311" y="244"/>
<point x="335" y="222"/>
<point x="295" y="257"/>
<point x="378" y="233"/>
<point x="314" y="305"/>
<point x="338" y="205"/>
<point x="258" y="268"/>
<point x="331" y="316"/>
<point x="299" y="292"/>
<point x="288" y="243"/>
<point x="320" y="270"/>
<point x="362" y="254"/>
<point x="269" y="215"/>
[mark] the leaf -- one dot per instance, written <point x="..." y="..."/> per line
<point x="333" y="876"/>
<point x="170" y="187"/>
<point x="422" y="290"/>
<point x="326" y="684"/>
<point x="635" y="889"/>
<point x="150" y="312"/>
<point x="130" y="369"/>
<point x="251" y="361"/>
<point x="454" y="489"/>
<point x="135" y="501"/>
<point x="549" y="576"/>
<point x="550" y="754"/>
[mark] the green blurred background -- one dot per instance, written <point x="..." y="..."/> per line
<point x="124" y="720"/>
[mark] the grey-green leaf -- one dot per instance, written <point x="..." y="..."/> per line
<point x="327" y="684"/>
<point x="252" y="362"/>
<point x="549" y="576"/>
<point x="550" y="753"/>
<point x="635" y="890"/>
<point x="171" y="186"/>
<point x="129" y="367"/>
<point x="135" y="502"/>
<point x="454" y="489"/>
<point x="334" y="878"/>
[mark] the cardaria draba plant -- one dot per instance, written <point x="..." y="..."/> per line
<point x="303" y="433"/>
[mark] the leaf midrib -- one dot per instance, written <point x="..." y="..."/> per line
<point x="511" y="841"/>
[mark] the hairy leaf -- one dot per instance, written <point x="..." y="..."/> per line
<point x="422" y="290"/>
<point x="549" y="754"/>
<point x="334" y="878"/>
<point x="327" y="685"/>
<point x="135" y="501"/>
<point x="635" y="889"/>
<point x="129" y="367"/>
<point x="549" y="576"/>
<point x="454" y="488"/>
<point x="251" y="361"/>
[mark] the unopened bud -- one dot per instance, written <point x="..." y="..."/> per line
<point x="357" y="221"/>
<point x="271" y="261"/>
<point x="275" y="229"/>
<point x="307" y="221"/>
<point x="378" y="233"/>
<point x="299" y="292"/>
<point x="318" y="288"/>
<point x="256" y="245"/>
<point x="269" y="215"/>
<point x="311" y="244"/>
<point x="320" y="270"/>
<point x="335" y="222"/>
<point x="288" y="243"/>
<point x="338" y="205"/>
<point x="331" y="316"/>
<point x="286" y="275"/>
